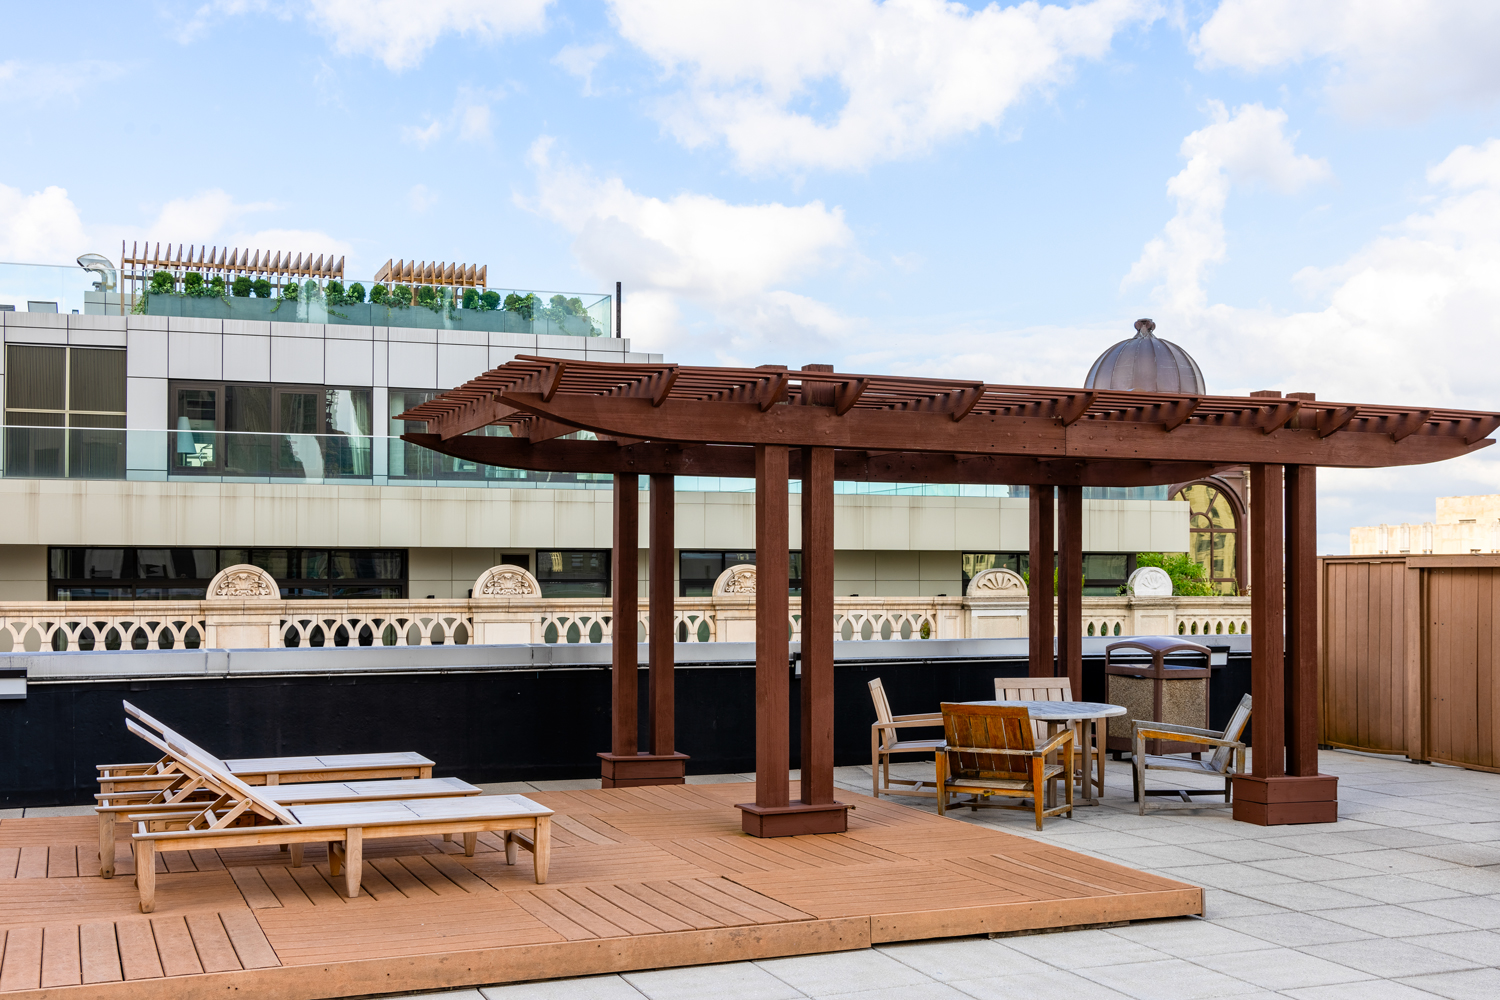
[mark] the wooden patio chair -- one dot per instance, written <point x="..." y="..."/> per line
<point x="160" y="773"/>
<point x="239" y="815"/>
<point x="884" y="741"/>
<point x="1228" y="758"/>
<point x="990" y="752"/>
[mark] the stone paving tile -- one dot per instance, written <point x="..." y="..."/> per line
<point x="1244" y="851"/>
<point x="1392" y="921"/>
<point x="1479" y="984"/>
<point x="1083" y="949"/>
<point x="1320" y="843"/>
<point x="1316" y="869"/>
<point x="1477" y="881"/>
<point x="589" y="988"/>
<point x="1304" y="896"/>
<point x="1399" y="818"/>
<point x="965" y="958"/>
<point x="1234" y="877"/>
<point x="1052" y="985"/>
<point x="1397" y="839"/>
<point x="1293" y="930"/>
<point x="1190" y="938"/>
<point x="1392" y="888"/>
<point x="1282" y="969"/>
<point x="1389" y="958"/>
<point x="1219" y="903"/>
<point x="1393" y="862"/>
<point x="1476" y="911"/>
<point x="1369" y="989"/>
<point x="733" y="981"/>
<point x="1474" y="855"/>
<point x="926" y="991"/>
<point x="1161" y="857"/>
<point x="1470" y="833"/>
<point x="1476" y="946"/>
<point x="844" y="972"/>
<point x="1172" y="979"/>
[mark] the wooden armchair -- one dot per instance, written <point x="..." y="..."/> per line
<point x="884" y="741"/>
<point x="990" y="752"/>
<point x="1228" y="757"/>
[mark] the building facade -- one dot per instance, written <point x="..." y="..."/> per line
<point x="1462" y="526"/>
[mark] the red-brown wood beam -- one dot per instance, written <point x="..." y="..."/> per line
<point x="1070" y="586"/>
<point x="817" y="626"/>
<point x="662" y="627"/>
<point x="625" y="600"/>
<point x="772" y="646"/>
<point x="1040" y="610"/>
<point x="1302" y="620"/>
<point x="1267" y="622"/>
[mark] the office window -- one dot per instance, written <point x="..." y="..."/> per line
<point x="167" y="574"/>
<point x="573" y="572"/>
<point x="303" y="432"/>
<point x="64" y="412"/>
<point x="974" y="563"/>
<point x="697" y="571"/>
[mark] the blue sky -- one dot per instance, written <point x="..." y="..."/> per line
<point x="1306" y="197"/>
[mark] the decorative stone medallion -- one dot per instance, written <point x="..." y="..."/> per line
<point x="736" y="581"/>
<point x="243" y="582"/>
<point x="1149" y="581"/>
<point x="506" y="581"/>
<point x="997" y="583"/>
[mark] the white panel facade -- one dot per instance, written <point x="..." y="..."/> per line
<point x="297" y="359"/>
<point x="247" y="358"/>
<point x="192" y="355"/>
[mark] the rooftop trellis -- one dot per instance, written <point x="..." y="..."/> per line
<point x="410" y="272"/>
<point x="142" y="261"/>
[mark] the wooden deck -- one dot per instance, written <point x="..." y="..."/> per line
<point x="640" y="878"/>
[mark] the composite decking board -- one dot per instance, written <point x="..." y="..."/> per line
<point x="33" y="863"/>
<point x="644" y="877"/>
<point x="100" y="952"/>
<point x="62" y="861"/>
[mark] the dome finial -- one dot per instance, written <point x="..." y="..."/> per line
<point x="1145" y="327"/>
<point x="1145" y="363"/>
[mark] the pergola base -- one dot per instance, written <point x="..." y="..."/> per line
<point x="620" y="771"/>
<point x="795" y="820"/>
<point x="1286" y="799"/>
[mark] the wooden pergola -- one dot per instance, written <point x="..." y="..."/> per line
<point x="817" y="425"/>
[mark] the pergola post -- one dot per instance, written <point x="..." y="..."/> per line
<point x="624" y="592"/>
<point x="1283" y="658"/>
<point x="1070" y="586"/>
<point x="626" y="764"/>
<point x="773" y="814"/>
<point x="817" y="626"/>
<point x="1039" y="587"/>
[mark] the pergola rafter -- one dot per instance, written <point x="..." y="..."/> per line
<point x="818" y="425"/>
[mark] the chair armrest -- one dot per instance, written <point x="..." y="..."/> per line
<point x="1066" y="736"/>
<point x="989" y="750"/>
<point x="1154" y="731"/>
<point x="910" y="724"/>
<point x="1174" y="729"/>
<point x="935" y="717"/>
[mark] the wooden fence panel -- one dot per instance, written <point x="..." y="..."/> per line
<point x="1461" y="609"/>
<point x="1363" y="654"/>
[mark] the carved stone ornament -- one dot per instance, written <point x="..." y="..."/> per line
<point x="1149" y="581"/>
<point x="997" y="583"/>
<point x="506" y="581"/>
<point x="736" y="581"/>
<point x="243" y="582"/>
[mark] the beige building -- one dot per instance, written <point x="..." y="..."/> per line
<point x="1463" y="526"/>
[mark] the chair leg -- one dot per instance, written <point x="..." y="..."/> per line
<point x="541" y="853"/>
<point x="940" y="767"/>
<point x="874" y="765"/>
<point x="1038" y="792"/>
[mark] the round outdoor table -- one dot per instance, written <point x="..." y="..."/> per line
<point x="1084" y="717"/>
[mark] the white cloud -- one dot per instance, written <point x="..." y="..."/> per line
<point x="470" y="118"/>
<point x="694" y="250"/>
<point x="424" y="136"/>
<point x="1251" y="146"/>
<point x="200" y="218"/>
<point x="35" y="82"/>
<point x="581" y="61"/>
<point x="1402" y="57"/>
<point x="420" y="199"/>
<point x="304" y="241"/>
<point x="399" y="33"/>
<point x="907" y="73"/>
<point x="43" y="227"/>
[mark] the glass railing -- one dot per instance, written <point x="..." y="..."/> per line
<point x="53" y="288"/>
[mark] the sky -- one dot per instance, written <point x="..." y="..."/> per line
<point x="1304" y="196"/>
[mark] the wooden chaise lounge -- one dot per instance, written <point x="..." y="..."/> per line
<point x="185" y="788"/>
<point x="267" y="770"/>
<point x="240" y="816"/>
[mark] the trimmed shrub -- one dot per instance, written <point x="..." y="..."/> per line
<point x="471" y="298"/>
<point x="490" y="300"/>
<point x="262" y="288"/>
<point x="192" y="284"/>
<point x="289" y="291"/>
<point x="522" y="305"/>
<point x="378" y="294"/>
<point x="242" y="286"/>
<point x="355" y="295"/>
<point x="162" y="283"/>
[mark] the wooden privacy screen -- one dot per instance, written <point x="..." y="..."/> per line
<point x="1410" y="656"/>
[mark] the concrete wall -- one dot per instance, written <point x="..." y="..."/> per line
<point x="23" y="572"/>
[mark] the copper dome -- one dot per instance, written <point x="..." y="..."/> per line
<point x="1145" y="363"/>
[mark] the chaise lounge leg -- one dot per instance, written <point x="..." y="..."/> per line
<point x="145" y="873"/>
<point x="510" y="847"/>
<point x="107" y="845"/>
<point x="541" y="848"/>
<point x="354" y="856"/>
<point x="335" y="858"/>
<point x="296" y="850"/>
<point x="471" y="840"/>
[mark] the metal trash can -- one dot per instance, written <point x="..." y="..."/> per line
<point x="1160" y="691"/>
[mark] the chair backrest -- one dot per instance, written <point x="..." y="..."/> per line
<point x="1001" y="727"/>
<point x="882" y="711"/>
<point x="1033" y="689"/>
<point x="1237" y="723"/>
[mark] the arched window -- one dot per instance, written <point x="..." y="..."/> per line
<point x="1214" y="529"/>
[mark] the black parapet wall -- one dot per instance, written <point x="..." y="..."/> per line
<point x="483" y="713"/>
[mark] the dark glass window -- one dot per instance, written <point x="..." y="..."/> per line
<point x="975" y="563"/>
<point x="301" y="432"/>
<point x="149" y="574"/>
<point x="697" y="571"/>
<point x="65" y="412"/>
<point x="1104" y="573"/>
<point x="573" y="572"/>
